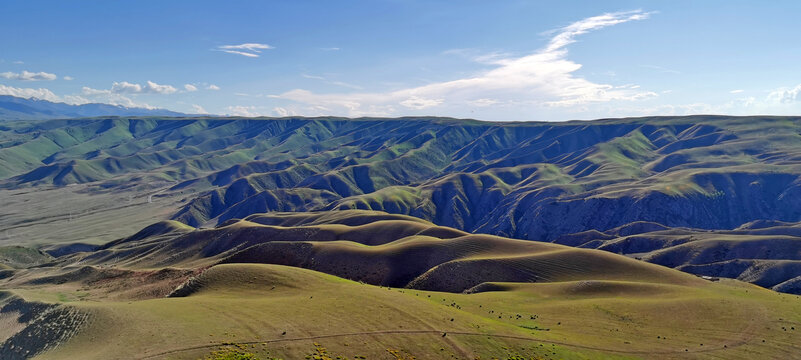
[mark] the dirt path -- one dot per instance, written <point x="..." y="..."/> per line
<point x="437" y="332"/>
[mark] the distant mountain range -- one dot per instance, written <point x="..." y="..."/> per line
<point x="17" y="108"/>
<point x="590" y="239"/>
<point x="710" y="195"/>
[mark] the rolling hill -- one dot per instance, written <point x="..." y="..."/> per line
<point x="366" y="284"/>
<point x="765" y="253"/>
<point x="572" y="183"/>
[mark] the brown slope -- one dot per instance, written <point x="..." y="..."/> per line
<point x="399" y="253"/>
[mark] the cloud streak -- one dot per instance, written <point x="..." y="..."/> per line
<point x="125" y="87"/>
<point x="542" y="79"/>
<point x="786" y="95"/>
<point x="337" y="83"/>
<point x="29" y="76"/>
<point x="41" y="93"/>
<point x="247" y="49"/>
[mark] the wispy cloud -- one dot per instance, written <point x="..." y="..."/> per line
<point x="312" y="77"/>
<point x="148" y="88"/>
<point x="28" y="76"/>
<point x="190" y="87"/>
<point x="786" y="95"/>
<point x="239" y="110"/>
<point x="330" y="49"/>
<point x="212" y="87"/>
<point x="68" y="78"/>
<point x="279" y="111"/>
<point x="661" y="69"/>
<point x="780" y="101"/>
<point x="248" y="49"/>
<point x="197" y="109"/>
<point x="114" y="98"/>
<point x="544" y="78"/>
<point x="332" y="82"/>
<point x="119" y="93"/>
<point x="41" y="93"/>
<point x="125" y="87"/>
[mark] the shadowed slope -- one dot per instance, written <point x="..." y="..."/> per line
<point x="766" y="253"/>
<point x="286" y="311"/>
<point x="457" y="295"/>
<point x="537" y="181"/>
<point x="376" y="248"/>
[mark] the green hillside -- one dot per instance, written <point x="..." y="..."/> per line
<point x="533" y="180"/>
<point x="705" y="164"/>
<point x="377" y="286"/>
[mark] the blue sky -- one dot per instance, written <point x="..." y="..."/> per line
<point x="491" y="60"/>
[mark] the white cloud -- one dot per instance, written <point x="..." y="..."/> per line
<point x="312" y="77"/>
<point x="239" y="110"/>
<point x="247" y="49"/>
<point x="338" y="83"/>
<point x="197" y="109"/>
<point x="484" y="102"/>
<point x="478" y="56"/>
<point x="279" y="111"/>
<point x="542" y="79"/>
<point x="190" y="87"/>
<point x="68" y="78"/>
<point x="19" y="62"/>
<point x="89" y="91"/>
<point x="151" y="87"/>
<point x="28" y="76"/>
<point x="330" y="49"/>
<point x="213" y="87"/>
<point x="241" y="53"/>
<point x="661" y="69"/>
<point x="785" y="95"/>
<point x="736" y="91"/>
<point x="41" y="93"/>
<point x="125" y="87"/>
<point x="88" y="95"/>
<point x="115" y="96"/>
<point x="418" y="103"/>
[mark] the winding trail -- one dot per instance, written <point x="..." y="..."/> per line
<point x="438" y="332"/>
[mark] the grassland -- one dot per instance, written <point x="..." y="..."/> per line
<point x="396" y="238"/>
<point x="374" y="285"/>
<point x="100" y="179"/>
<point x="283" y="312"/>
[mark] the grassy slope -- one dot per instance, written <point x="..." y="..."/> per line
<point x="525" y="180"/>
<point x="255" y="304"/>
<point x="764" y="253"/>
<point x="374" y="247"/>
<point x="523" y="298"/>
<point x="20" y="257"/>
